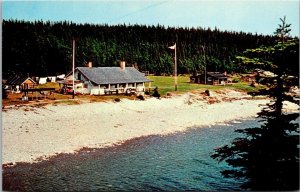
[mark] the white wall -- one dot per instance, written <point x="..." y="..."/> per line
<point x="95" y="90"/>
<point x="79" y="88"/>
<point x="43" y="80"/>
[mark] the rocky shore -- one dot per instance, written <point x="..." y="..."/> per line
<point x="31" y="133"/>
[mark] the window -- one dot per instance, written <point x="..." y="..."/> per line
<point x="130" y="84"/>
<point x="122" y="85"/>
<point x="139" y="84"/>
<point x="79" y="76"/>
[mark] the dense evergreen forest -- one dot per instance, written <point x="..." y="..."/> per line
<point x="45" y="48"/>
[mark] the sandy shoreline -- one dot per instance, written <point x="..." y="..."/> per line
<point x="29" y="133"/>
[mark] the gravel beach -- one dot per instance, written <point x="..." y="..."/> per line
<point x="33" y="133"/>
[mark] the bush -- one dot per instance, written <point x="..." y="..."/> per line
<point x="4" y="94"/>
<point x="156" y="94"/>
<point x="207" y="92"/>
<point x="140" y="97"/>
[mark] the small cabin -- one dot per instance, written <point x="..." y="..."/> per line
<point x="16" y="84"/>
<point x="212" y="78"/>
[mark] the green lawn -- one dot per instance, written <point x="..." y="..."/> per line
<point x="49" y="85"/>
<point x="165" y="85"/>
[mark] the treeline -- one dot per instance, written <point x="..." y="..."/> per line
<point x="45" y="48"/>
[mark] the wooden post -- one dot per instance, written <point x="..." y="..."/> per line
<point x="175" y="69"/>
<point x="73" y="68"/>
<point x="203" y="47"/>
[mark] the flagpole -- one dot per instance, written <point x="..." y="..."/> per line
<point x="175" y="68"/>
<point x="175" y="63"/>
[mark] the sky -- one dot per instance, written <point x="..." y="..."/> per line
<point x="252" y="16"/>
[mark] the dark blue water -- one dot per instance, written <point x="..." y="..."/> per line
<point x="179" y="161"/>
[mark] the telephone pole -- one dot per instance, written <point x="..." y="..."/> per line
<point x="203" y="47"/>
<point x="73" y="68"/>
<point x="175" y="69"/>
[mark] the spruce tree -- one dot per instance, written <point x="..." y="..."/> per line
<point x="268" y="156"/>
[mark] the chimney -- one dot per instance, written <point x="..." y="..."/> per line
<point x="122" y="65"/>
<point x="90" y="64"/>
<point x="135" y="65"/>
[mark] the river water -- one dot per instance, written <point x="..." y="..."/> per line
<point x="179" y="161"/>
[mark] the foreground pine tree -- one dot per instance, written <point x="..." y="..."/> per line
<point x="268" y="156"/>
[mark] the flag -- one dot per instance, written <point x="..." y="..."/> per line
<point x="173" y="47"/>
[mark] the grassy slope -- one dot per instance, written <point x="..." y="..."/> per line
<point x="165" y="84"/>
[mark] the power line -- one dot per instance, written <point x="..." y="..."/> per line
<point x="140" y="10"/>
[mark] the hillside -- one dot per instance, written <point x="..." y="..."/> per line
<point x="45" y="48"/>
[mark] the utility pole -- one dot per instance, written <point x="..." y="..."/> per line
<point x="175" y="69"/>
<point x="203" y="47"/>
<point x="73" y="68"/>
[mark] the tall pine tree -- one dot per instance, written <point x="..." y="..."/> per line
<point x="268" y="156"/>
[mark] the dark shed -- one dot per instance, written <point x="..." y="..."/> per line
<point x="212" y="78"/>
